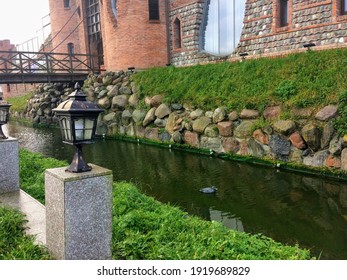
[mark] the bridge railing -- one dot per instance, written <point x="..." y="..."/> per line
<point x="12" y="62"/>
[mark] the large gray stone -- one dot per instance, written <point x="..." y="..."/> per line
<point x="126" y="117"/>
<point x="133" y="100"/>
<point x="311" y="134"/>
<point x="284" y="126"/>
<point x="162" y="111"/>
<point x="327" y="113"/>
<point x="125" y="90"/>
<point x="109" y="117"/>
<point x="244" y="130"/>
<point x="139" y="115"/>
<point x="196" y="114"/>
<point x="79" y="214"/>
<point x="327" y="134"/>
<point x="211" y="143"/>
<point x="256" y="149"/>
<point x="335" y="146"/>
<point x="9" y="165"/>
<point x="280" y="146"/>
<point x="225" y="128"/>
<point x="272" y="113"/>
<point x="211" y="131"/>
<point x="249" y="114"/>
<point x="150" y="117"/>
<point x="104" y="103"/>
<point x="171" y="122"/>
<point x="317" y="160"/>
<point x="177" y="137"/>
<point x="344" y="159"/>
<point x="119" y="102"/>
<point x="219" y="115"/>
<point x="160" y="123"/>
<point x="200" y="124"/>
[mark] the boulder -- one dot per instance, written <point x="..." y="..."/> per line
<point x="138" y="115"/>
<point x="196" y="114"/>
<point x="113" y="91"/>
<point x="109" y="117"/>
<point x="125" y="90"/>
<point x="335" y="146"/>
<point x="219" y="115"/>
<point x="327" y="134"/>
<point x="102" y="93"/>
<point x="249" y="114"/>
<point x="296" y="155"/>
<point x="211" y="143"/>
<point x="191" y="138"/>
<point x="327" y="113"/>
<point x="297" y="141"/>
<point x="160" y="123"/>
<point x="317" y="160"/>
<point x="333" y="161"/>
<point x="344" y="159"/>
<point x="284" y="126"/>
<point x="272" y="113"/>
<point x="156" y="100"/>
<point x="119" y="102"/>
<point x="233" y="116"/>
<point x="126" y="117"/>
<point x="225" y="128"/>
<point x="211" y="131"/>
<point x="310" y="133"/>
<point x="165" y="136"/>
<point x="255" y="148"/>
<point x="162" y="111"/>
<point x="152" y="133"/>
<point x="177" y="137"/>
<point x="104" y="103"/>
<point x="133" y="100"/>
<point x="150" y="117"/>
<point x="260" y="136"/>
<point x="171" y="122"/>
<point x="230" y="144"/>
<point x="200" y="124"/>
<point x="280" y="146"/>
<point x="177" y="107"/>
<point x="303" y="113"/>
<point x="244" y="130"/>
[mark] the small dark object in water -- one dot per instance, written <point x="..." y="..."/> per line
<point x="209" y="190"/>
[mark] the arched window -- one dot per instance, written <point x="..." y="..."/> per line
<point x="222" y="26"/>
<point x="153" y="8"/>
<point x="66" y="3"/>
<point x="177" y="34"/>
<point x="114" y="7"/>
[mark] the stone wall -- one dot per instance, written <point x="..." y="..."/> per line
<point x="309" y="138"/>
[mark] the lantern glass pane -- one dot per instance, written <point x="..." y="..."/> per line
<point x="66" y="128"/>
<point x="89" y="125"/>
<point x="3" y="115"/>
<point x="79" y="129"/>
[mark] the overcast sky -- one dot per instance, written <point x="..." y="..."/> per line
<point x="20" y="19"/>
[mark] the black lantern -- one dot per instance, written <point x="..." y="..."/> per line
<point x="4" y="115"/>
<point x="77" y="120"/>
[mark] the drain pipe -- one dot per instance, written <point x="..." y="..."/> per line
<point x="167" y="6"/>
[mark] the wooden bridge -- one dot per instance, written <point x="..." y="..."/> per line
<point x="43" y="67"/>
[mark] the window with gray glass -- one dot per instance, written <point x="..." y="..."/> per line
<point x="153" y="9"/>
<point x="222" y="26"/>
<point x="66" y="3"/>
<point x="114" y="7"/>
<point x="284" y="13"/>
<point x="93" y="17"/>
<point x="343" y="8"/>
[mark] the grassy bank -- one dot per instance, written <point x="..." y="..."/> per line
<point x="146" y="229"/>
<point x="19" y="103"/>
<point x="14" y="243"/>
<point x="310" y="79"/>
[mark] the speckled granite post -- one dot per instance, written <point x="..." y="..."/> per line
<point x="79" y="214"/>
<point x="9" y="165"/>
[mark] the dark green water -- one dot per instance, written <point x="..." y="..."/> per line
<point x="288" y="207"/>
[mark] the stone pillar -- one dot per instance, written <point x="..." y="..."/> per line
<point x="79" y="214"/>
<point x="9" y="165"/>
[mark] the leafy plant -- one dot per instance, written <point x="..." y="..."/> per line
<point x="286" y="89"/>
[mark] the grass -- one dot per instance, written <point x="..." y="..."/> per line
<point x="14" y="243"/>
<point x="147" y="229"/>
<point x="19" y="103"/>
<point x="310" y="79"/>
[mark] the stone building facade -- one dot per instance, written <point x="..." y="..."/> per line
<point x="142" y="34"/>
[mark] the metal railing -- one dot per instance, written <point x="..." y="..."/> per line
<point x="32" y="67"/>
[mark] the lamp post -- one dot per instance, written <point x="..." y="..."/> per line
<point x="4" y="116"/>
<point x="77" y="121"/>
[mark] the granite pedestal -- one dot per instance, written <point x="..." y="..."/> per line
<point x="79" y="214"/>
<point x="9" y="165"/>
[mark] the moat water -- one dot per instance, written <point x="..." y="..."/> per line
<point x="288" y="207"/>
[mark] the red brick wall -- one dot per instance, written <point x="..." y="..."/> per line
<point x="132" y="40"/>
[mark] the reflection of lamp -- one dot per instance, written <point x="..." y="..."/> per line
<point x="309" y="46"/>
<point x="77" y="120"/>
<point x="4" y="116"/>
<point x="243" y="55"/>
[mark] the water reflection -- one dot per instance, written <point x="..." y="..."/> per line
<point x="288" y="207"/>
